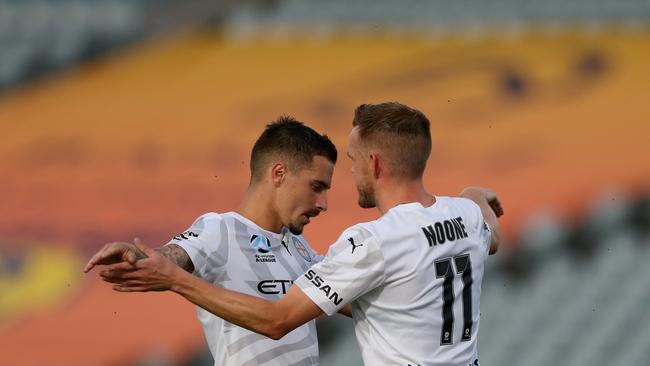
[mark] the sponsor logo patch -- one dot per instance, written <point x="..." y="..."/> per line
<point x="274" y="287"/>
<point x="319" y="282"/>
<point x="354" y="246"/>
<point x="286" y="246"/>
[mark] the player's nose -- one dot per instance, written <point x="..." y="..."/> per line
<point x="321" y="202"/>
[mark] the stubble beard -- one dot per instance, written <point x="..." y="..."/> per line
<point x="366" y="197"/>
<point x="296" y="229"/>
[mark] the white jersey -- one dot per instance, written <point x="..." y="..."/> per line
<point x="231" y="251"/>
<point x="413" y="278"/>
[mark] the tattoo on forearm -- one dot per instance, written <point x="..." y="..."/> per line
<point x="176" y="254"/>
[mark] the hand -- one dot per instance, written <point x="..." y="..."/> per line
<point x="494" y="202"/>
<point x="113" y="253"/>
<point x="153" y="273"/>
<point x="489" y="195"/>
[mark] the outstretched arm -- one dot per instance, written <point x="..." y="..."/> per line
<point x="491" y="209"/>
<point x="273" y="319"/>
<point x="127" y="254"/>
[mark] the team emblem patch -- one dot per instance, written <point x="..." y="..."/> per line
<point x="262" y="245"/>
<point x="301" y="249"/>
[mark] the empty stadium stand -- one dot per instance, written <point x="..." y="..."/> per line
<point x="546" y="102"/>
<point x="37" y="36"/>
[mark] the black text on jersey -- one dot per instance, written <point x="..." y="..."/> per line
<point x="274" y="287"/>
<point x="447" y="230"/>
<point x="319" y="282"/>
<point x="186" y="235"/>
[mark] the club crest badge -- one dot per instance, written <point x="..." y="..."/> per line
<point x="301" y="249"/>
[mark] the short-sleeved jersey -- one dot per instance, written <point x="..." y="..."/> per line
<point x="413" y="277"/>
<point x="231" y="251"/>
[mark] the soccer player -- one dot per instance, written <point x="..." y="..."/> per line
<point x="257" y="249"/>
<point x="413" y="276"/>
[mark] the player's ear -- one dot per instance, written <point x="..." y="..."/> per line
<point x="374" y="161"/>
<point x="279" y="172"/>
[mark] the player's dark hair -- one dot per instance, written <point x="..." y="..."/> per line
<point x="401" y="132"/>
<point x="292" y="142"/>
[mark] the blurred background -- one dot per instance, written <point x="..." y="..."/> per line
<point x="123" y="118"/>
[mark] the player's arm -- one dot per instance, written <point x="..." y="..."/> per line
<point x="186" y="250"/>
<point x="273" y="319"/>
<point x="126" y="254"/>
<point x="491" y="209"/>
<point x="346" y="310"/>
<point x="177" y="255"/>
<point x="348" y="275"/>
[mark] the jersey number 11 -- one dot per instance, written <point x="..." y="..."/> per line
<point x="444" y="270"/>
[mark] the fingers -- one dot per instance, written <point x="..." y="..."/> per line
<point x="130" y="257"/>
<point x="101" y="256"/>
<point x="116" y="279"/>
<point x="143" y="248"/>
<point x="498" y="211"/>
<point x="90" y="265"/>
<point x="122" y="266"/>
<point x="495" y="204"/>
<point x="120" y="281"/>
<point x="117" y="252"/>
<point x="120" y="274"/>
<point x="125" y="283"/>
<point x="493" y="201"/>
<point x="112" y="253"/>
<point x="119" y="288"/>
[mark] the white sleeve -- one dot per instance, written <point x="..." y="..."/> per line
<point x="202" y="243"/>
<point x="353" y="266"/>
<point x="485" y="233"/>
<point x="479" y="226"/>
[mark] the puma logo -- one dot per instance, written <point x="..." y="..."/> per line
<point x="286" y="246"/>
<point x="354" y="246"/>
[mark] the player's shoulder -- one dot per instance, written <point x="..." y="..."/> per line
<point x="361" y="232"/>
<point x="461" y="203"/>
<point x="357" y="242"/>
<point x="211" y="218"/>
<point x="466" y="208"/>
<point x="384" y="227"/>
<point x="203" y="227"/>
<point x="366" y="228"/>
<point x="209" y="222"/>
<point x="454" y="200"/>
